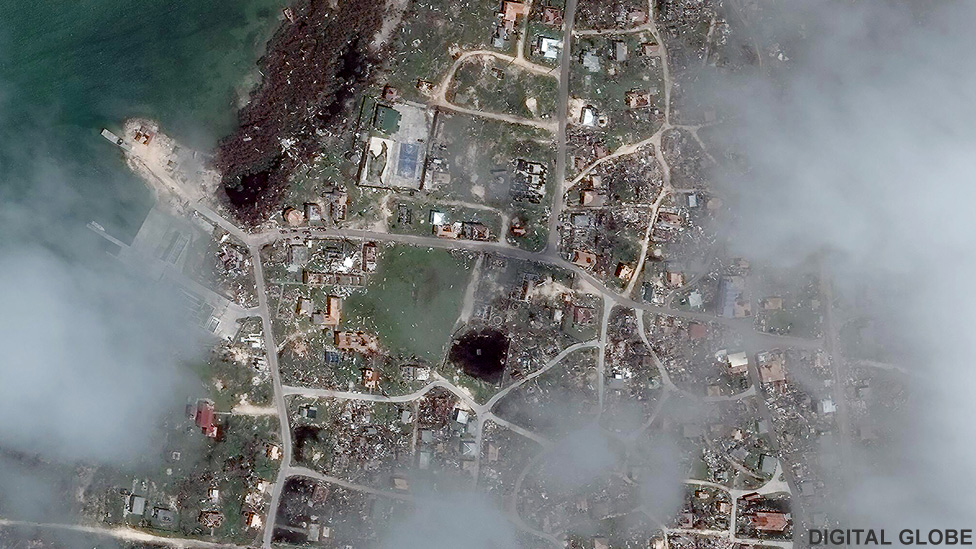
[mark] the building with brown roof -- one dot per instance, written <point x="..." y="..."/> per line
<point x="211" y="519"/>
<point x="475" y="231"/>
<point x="331" y="315"/>
<point x="511" y="11"/>
<point x="584" y="259"/>
<point x="205" y="416"/>
<point x="293" y="217"/>
<point x="583" y="316"/>
<point x="638" y="99"/>
<point x="592" y="199"/>
<point x="371" y="378"/>
<point x="358" y="341"/>
<point x="697" y="330"/>
<point x="771" y="368"/>
<point x="304" y="307"/>
<point x="447" y="231"/>
<point x="552" y="17"/>
<point x="370" y="256"/>
<point x="624" y="271"/>
<point x="648" y="48"/>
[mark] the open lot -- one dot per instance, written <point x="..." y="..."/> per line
<point x="475" y="162"/>
<point x="490" y="84"/>
<point x="431" y="30"/>
<point x="476" y="157"/>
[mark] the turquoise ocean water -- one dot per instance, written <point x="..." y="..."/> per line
<point x="70" y="68"/>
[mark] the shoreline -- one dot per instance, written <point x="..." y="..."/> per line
<point x="176" y="175"/>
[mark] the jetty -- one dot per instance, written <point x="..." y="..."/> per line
<point x="115" y="139"/>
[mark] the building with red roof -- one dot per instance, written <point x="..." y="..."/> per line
<point x="765" y="521"/>
<point x="205" y="416"/>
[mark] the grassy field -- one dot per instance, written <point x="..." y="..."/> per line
<point x="430" y="29"/>
<point x="494" y="85"/>
<point x="412" y="301"/>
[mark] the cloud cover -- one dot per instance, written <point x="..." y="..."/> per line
<point x="861" y="146"/>
<point x="94" y="355"/>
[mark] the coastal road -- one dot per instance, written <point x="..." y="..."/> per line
<point x="549" y="255"/>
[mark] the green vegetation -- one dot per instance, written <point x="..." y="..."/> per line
<point x="607" y="88"/>
<point x="233" y="465"/>
<point x="480" y="153"/>
<point x="420" y="216"/>
<point x="412" y="301"/>
<point x="534" y="219"/>
<point x="493" y="85"/>
<point x="430" y="29"/>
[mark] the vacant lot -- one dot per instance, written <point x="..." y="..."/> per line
<point x="494" y="85"/>
<point x="430" y="30"/>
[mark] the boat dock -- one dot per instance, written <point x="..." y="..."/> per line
<point x="98" y="229"/>
<point x="115" y="139"/>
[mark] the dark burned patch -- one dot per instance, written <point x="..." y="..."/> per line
<point x="481" y="354"/>
<point x="248" y="189"/>
<point x="293" y="509"/>
<point x="302" y="435"/>
<point x="312" y="68"/>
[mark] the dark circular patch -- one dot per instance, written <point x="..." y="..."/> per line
<point x="481" y="354"/>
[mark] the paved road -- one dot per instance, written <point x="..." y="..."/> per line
<point x="562" y="118"/>
<point x="279" y="397"/>
<point x="744" y="326"/>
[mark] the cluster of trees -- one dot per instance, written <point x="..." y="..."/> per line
<point x="312" y="67"/>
